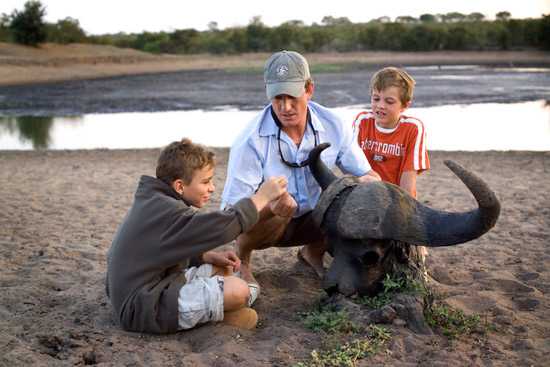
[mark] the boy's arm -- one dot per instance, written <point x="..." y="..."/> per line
<point x="416" y="157"/>
<point x="244" y="174"/>
<point x="191" y="234"/>
<point x="222" y="259"/>
<point x="408" y="182"/>
<point x="371" y="176"/>
<point x="195" y="233"/>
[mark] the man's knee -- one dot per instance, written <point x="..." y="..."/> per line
<point x="236" y="293"/>
<point x="264" y="234"/>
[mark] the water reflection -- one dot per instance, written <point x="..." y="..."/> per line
<point x="33" y="129"/>
<point x="477" y="127"/>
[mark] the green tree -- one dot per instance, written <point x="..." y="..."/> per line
<point x="5" y="33"/>
<point x="391" y="38"/>
<point x="407" y="19"/>
<point x="369" y="35"/>
<point x="475" y="17"/>
<point x="66" y="31"/>
<point x="216" y="42"/>
<point x="421" y="38"/>
<point x="318" y="38"/>
<point x="428" y="18"/>
<point x="285" y="36"/>
<point x="257" y="35"/>
<point x="184" y="41"/>
<point x="454" y="17"/>
<point x="456" y="32"/>
<point x="28" y="26"/>
<point x="329" y="20"/>
<point x="237" y="38"/>
<point x="503" y="15"/>
<point x="383" y="19"/>
<point x="213" y="26"/>
<point x="545" y="32"/>
<point x="461" y="37"/>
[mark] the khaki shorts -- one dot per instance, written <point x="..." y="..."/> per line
<point x="201" y="299"/>
<point x="300" y="231"/>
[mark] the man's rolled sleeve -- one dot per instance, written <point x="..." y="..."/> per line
<point x="351" y="159"/>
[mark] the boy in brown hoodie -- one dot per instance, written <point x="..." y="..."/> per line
<point x="161" y="273"/>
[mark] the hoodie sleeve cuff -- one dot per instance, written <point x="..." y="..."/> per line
<point x="247" y="213"/>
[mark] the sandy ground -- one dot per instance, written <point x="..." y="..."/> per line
<point x="51" y="62"/>
<point x="61" y="209"/>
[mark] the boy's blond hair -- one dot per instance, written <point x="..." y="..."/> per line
<point x="394" y="77"/>
<point x="180" y="160"/>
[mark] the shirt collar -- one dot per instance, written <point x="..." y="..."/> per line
<point x="270" y="125"/>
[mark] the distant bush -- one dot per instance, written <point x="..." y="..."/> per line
<point x="28" y="26"/>
<point x="5" y="33"/>
<point x="451" y="31"/>
<point x="454" y="32"/>
<point x="544" y="32"/>
<point x="65" y="31"/>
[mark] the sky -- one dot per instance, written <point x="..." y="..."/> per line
<point x="131" y="16"/>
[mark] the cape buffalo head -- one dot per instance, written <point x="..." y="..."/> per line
<point x="362" y="221"/>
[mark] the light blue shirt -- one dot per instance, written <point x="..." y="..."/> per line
<point x="254" y="157"/>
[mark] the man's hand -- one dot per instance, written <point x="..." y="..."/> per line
<point x="285" y="206"/>
<point x="273" y="188"/>
<point x="222" y="259"/>
<point x="371" y="176"/>
<point x="270" y="190"/>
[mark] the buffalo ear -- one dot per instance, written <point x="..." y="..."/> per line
<point x="319" y="170"/>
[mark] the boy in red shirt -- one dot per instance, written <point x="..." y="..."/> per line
<point x="394" y="144"/>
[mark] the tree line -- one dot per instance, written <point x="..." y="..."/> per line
<point x="429" y="32"/>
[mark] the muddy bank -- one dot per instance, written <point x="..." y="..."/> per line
<point x="210" y="89"/>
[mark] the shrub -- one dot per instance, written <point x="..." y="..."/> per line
<point x="28" y="26"/>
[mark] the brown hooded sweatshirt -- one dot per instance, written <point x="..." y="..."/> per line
<point x="161" y="236"/>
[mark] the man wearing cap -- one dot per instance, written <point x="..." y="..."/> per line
<point x="277" y="142"/>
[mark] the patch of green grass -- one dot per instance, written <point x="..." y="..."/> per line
<point x="347" y="354"/>
<point x="452" y="322"/>
<point x="330" y="321"/>
<point x="328" y="68"/>
<point x="392" y="284"/>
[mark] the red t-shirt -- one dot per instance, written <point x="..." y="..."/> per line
<point x="392" y="151"/>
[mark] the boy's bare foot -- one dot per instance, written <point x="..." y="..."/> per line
<point x="313" y="259"/>
<point x="244" y="318"/>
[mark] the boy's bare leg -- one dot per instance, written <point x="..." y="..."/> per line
<point x="236" y="294"/>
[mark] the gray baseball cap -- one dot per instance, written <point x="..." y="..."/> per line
<point x="285" y="72"/>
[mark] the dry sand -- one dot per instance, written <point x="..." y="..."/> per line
<point x="51" y="62"/>
<point x="61" y="209"/>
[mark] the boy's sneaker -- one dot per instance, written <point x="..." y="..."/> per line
<point x="244" y="318"/>
<point x="254" y="293"/>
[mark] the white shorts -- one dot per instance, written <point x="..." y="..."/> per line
<point x="201" y="299"/>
